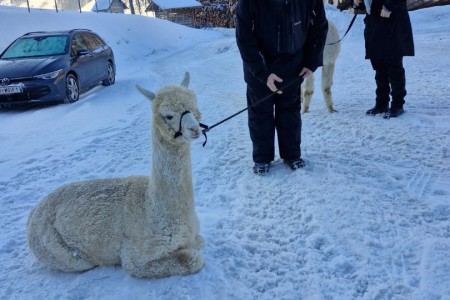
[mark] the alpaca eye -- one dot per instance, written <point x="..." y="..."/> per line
<point x="169" y="117"/>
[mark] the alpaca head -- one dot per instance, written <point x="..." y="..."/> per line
<point x="175" y="112"/>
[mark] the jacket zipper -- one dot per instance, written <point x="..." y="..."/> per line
<point x="279" y="41"/>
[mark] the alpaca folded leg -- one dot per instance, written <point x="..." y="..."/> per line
<point x="307" y="91"/>
<point x="50" y="248"/>
<point x="327" y="83"/>
<point x="180" y="262"/>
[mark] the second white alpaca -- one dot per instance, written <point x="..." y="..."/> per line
<point x="330" y="54"/>
<point x="146" y="224"/>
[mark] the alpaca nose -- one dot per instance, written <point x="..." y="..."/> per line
<point x="195" y="130"/>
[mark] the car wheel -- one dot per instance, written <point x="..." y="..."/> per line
<point x="111" y="78"/>
<point x="72" y="89"/>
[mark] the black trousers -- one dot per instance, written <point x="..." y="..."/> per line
<point x="280" y="113"/>
<point x="390" y="79"/>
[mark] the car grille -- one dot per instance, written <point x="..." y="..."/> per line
<point x="20" y="79"/>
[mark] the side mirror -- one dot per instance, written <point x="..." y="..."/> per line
<point x="81" y="52"/>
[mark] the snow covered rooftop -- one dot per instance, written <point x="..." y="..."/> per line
<point x="102" y="5"/>
<point x="168" y="4"/>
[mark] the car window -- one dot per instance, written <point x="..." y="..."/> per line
<point x="37" y="46"/>
<point x="77" y="44"/>
<point x="98" y="40"/>
<point x="91" y="41"/>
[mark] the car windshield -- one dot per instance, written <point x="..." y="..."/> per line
<point x="37" y="46"/>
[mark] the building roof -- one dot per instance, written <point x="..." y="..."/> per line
<point x="169" y="4"/>
<point x="101" y="5"/>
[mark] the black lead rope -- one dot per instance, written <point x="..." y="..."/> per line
<point x="205" y="128"/>
<point x="348" y="29"/>
<point x="208" y="128"/>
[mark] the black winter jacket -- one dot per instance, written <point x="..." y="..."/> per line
<point x="388" y="37"/>
<point x="280" y="36"/>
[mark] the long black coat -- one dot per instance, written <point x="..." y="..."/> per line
<point x="388" y="37"/>
<point x="280" y="37"/>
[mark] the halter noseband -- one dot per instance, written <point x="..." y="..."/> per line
<point x="179" y="133"/>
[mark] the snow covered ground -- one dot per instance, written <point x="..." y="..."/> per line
<point x="368" y="218"/>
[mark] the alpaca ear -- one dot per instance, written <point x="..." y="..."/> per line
<point x="186" y="80"/>
<point x="146" y="93"/>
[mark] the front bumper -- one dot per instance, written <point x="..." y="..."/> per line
<point x="36" y="91"/>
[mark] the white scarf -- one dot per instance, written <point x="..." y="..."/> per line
<point x="368" y="3"/>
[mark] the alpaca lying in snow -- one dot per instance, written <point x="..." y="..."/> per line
<point x="330" y="54"/>
<point x="146" y="224"/>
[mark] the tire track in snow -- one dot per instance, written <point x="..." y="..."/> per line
<point x="420" y="182"/>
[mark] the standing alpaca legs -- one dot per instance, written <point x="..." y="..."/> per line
<point x="327" y="83"/>
<point x="330" y="54"/>
<point x="307" y="91"/>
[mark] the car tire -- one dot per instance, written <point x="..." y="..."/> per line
<point x="111" y="78"/>
<point x="72" y="89"/>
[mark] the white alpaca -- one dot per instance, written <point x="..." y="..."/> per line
<point x="146" y="224"/>
<point x="330" y="54"/>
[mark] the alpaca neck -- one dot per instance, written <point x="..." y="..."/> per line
<point x="171" y="178"/>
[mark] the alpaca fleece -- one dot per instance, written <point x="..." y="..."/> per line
<point x="146" y="224"/>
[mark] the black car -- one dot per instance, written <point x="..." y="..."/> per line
<point x="54" y="67"/>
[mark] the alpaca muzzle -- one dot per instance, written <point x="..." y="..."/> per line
<point x="195" y="130"/>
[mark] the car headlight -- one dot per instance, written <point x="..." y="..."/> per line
<point x="51" y="75"/>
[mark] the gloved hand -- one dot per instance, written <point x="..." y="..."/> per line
<point x="385" y="13"/>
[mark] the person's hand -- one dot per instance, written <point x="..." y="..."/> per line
<point x="305" y="72"/>
<point x="356" y="3"/>
<point x="271" y="83"/>
<point x="385" y="13"/>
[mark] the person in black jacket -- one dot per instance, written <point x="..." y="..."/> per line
<point x="388" y="37"/>
<point x="280" y="42"/>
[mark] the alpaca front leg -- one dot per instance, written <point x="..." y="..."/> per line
<point x="199" y="242"/>
<point x="180" y="262"/>
<point x="327" y="83"/>
<point x="307" y="91"/>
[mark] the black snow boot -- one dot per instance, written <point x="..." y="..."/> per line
<point x="393" y="113"/>
<point x="295" y="163"/>
<point x="261" y="168"/>
<point x="377" y="110"/>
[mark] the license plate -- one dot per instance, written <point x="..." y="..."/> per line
<point x="8" y="90"/>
